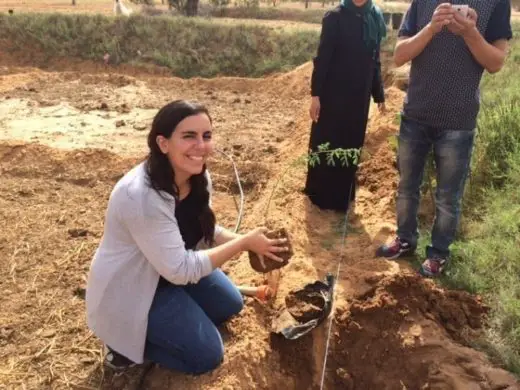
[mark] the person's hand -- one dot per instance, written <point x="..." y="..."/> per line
<point x="442" y="16"/>
<point x="257" y="242"/>
<point x="314" y="109"/>
<point x="381" y="107"/>
<point x="463" y="26"/>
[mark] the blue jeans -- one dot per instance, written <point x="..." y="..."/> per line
<point x="182" y="330"/>
<point x="452" y="152"/>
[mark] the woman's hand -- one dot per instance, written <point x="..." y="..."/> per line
<point x="257" y="242"/>
<point x="230" y="244"/>
<point x="314" y="109"/>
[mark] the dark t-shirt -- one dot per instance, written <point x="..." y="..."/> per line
<point x="444" y="81"/>
<point x="187" y="214"/>
<point x="498" y="26"/>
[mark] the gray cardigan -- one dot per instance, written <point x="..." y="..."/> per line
<point x="141" y="241"/>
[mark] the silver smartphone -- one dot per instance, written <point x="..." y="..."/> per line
<point x="462" y="9"/>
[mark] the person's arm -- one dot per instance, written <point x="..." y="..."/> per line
<point x="229" y="247"/>
<point x="218" y="229"/>
<point x="489" y="50"/>
<point x="490" y="56"/>
<point x="321" y="62"/>
<point x="378" y="90"/>
<point x="407" y="49"/>
<point x="225" y="235"/>
<point x="325" y="52"/>
<point x="155" y="230"/>
<point x="411" y="41"/>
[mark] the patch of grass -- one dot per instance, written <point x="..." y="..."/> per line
<point x="265" y="13"/>
<point x="487" y="262"/>
<point x="498" y="138"/>
<point x="188" y="46"/>
<point x="486" y="258"/>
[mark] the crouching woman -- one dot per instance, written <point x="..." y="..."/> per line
<point x="153" y="294"/>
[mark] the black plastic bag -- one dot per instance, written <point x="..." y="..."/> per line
<point x="305" y="309"/>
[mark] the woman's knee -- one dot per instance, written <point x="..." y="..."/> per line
<point x="235" y="303"/>
<point x="229" y="304"/>
<point x="231" y="300"/>
<point x="195" y="353"/>
<point x="208" y="359"/>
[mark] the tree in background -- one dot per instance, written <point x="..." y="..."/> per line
<point x="220" y="3"/>
<point x="247" y="3"/>
<point x="184" y="7"/>
<point x="145" y="2"/>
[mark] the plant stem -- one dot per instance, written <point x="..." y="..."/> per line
<point x="312" y="159"/>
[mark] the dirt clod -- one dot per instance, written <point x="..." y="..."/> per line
<point x="75" y="233"/>
<point x="305" y="306"/>
<point x="271" y="265"/>
<point x="376" y="336"/>
<point x="80" y="292"/>
<point x="125" y="108"/>
<point x="140" y="126"/>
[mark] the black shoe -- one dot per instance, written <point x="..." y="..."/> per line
<point x="116" y="361"/>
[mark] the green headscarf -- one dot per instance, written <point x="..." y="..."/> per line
<point x="374" y="27"/>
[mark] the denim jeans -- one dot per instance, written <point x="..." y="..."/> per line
<point x="452" y="153"/>
<point x="182" y="332"/>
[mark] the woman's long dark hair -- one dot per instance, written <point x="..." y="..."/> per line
<point x="158" y="167"/>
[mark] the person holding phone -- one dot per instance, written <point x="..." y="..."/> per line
<point x="449" y="52"/>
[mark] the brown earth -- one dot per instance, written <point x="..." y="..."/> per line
<point x="65" y="139"/>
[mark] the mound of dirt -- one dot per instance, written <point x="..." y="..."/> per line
<point x="253" y="176"/>
<point x="34" y="160"/>
<point x="408" y="334"/>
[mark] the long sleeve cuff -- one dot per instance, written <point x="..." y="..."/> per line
<point x="218" y="230"/>
<point x="206" y="264"/>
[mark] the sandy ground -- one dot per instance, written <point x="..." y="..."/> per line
<point x="66" y="137"/>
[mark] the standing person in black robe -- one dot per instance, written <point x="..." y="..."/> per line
<point x="347" y="72"/>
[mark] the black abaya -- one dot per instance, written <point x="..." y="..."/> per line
<point x="345" y="76"/>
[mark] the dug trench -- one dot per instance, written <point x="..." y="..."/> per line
<point x="390" y="329"/>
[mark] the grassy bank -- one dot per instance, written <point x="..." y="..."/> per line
<point x="294" y="15"/>
<point x="312" y="15"/>
<point x="486" y="259"/>
<point x="187" y="46"/>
